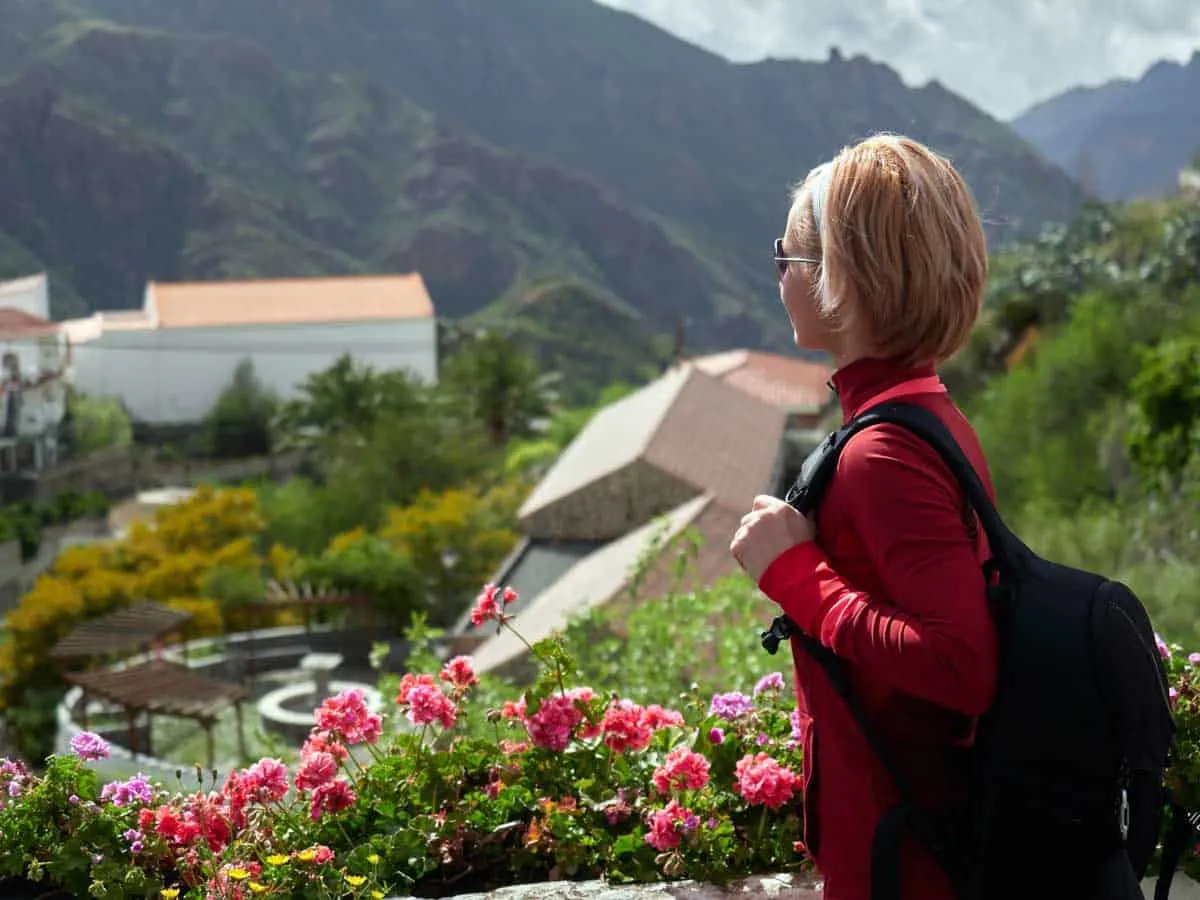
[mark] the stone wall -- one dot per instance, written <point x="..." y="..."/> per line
<point x="611" y="506"/>
<point x="111" y="471"/>
<point x="783" y="887"/>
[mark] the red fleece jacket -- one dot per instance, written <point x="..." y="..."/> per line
<point x="893" y="586"/>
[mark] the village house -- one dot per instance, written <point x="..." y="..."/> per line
<point x="35" y="370"/>
<point x="686" y="453"/>
<point x="1189" y="183"/>
<point x="169" y="361"/>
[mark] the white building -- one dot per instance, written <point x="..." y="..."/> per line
<point x="30" y="295"/>
<point x="169" y="361"/>
<point x="35" y="360"/>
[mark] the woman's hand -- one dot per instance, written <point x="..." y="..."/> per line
<point x="770" y="528"/>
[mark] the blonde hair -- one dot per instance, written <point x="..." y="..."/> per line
<point x="904" y="257"/>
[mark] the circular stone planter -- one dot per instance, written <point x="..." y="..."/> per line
<point x="288" y="711"/>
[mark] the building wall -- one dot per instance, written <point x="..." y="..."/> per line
<point x="31" y="295"/>
<point x="173" y="376"/>
<point x="610" y="507"/>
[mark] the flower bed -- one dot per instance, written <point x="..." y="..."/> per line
<point x="571" y="784"/>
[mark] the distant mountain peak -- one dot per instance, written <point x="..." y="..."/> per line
<point x="1125" y="138"/>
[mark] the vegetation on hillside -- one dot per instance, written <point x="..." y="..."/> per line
<point x="1081" y="381"/>
<point x="257" y="152"/>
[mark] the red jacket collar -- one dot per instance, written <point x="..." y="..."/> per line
<point x="858" y="383"/>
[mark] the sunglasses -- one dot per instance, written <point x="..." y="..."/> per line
<point x="782" y="260"/>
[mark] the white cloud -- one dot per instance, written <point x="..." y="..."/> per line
<point x="1001" y="54"/>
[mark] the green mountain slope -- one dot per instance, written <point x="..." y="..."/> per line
<point x="496" y="146"/>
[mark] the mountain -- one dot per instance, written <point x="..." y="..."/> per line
<point x="1125" y="138"/>
<point x="517" y="152"/>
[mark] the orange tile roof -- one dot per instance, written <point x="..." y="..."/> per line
<point x="779" y="380"/>
<point x="291" y="301"/>
<point x="17" y="322"/>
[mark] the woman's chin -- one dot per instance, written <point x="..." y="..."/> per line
<point x="807" y="342"/>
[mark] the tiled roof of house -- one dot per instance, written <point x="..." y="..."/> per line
<point x="290" y="301"/>
<point x="784" y="381"/>
<point x="18" y="323"/>
<point x="702" y="431"/>
<point x="591" y="582"/>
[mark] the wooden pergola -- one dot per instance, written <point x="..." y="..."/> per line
<point x="164" y="688"/>
<point x="309" y="599"/>
<point x="154" y="687"/>
<point x="121" y="632"/>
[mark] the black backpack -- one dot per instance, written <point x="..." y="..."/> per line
<point x="1067" y="771"/>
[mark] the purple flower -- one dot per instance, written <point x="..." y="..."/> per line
<point x="712" y="822"/>
<point x="14" y="788"/>
<point x="692" y="822"/>
<point x="772" y="682"/>
<point x="1194" y="659"/>
<point x="716" y="736"/>
<point x="73" y="799"/>
<point x="123" y="793"/>
<point x="730" y="706"/>
<point x="762" y="739"/>
<point x="795" y="719"/>
<point x="89" y="746"/>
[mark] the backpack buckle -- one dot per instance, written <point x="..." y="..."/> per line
<point x="1123" y="816"/>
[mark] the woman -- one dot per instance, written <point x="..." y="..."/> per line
<point x="883" y="265"/>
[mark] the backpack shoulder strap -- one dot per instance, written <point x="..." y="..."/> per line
<point x="817" y="472"/>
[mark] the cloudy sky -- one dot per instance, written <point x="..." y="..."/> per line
<point x="1002" y="54"/>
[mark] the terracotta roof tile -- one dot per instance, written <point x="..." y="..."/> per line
<point x="14" y="322"/>
<point x="290" y="301"/>
<point x="780" y="380"/>
<point x="717" y="439"/>
<point x="706" y="433"/>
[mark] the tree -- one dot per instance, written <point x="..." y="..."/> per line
<point x="348" y="398"/>
<point x="94" y="423"/>
<point x="498" y="384"/>
<point x="370" y="566"/>
<point x="1165" y="432"/>
<point x="240" y="421"/>
<point x="456" y="539"/>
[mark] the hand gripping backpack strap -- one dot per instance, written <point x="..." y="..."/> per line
<point x="805" y="496"/>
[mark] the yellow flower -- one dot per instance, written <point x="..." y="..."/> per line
<point x="258" y="888"/>
<point x="169" y="893"/>
<point x="376" y="895"/>
<point x="355" y="880"/>
<point x="239" y="874"/>
<point x="373" y="859"/>
<point x="277" y="859"/>
<point x="306" y="855"/>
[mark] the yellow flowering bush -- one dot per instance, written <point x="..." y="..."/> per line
<point x="456" y="538"/>
<point x="167" y="562"/>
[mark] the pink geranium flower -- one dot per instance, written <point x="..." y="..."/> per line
<point x="762" y="781"/>
<point x="682" y="770"/>
<point x="490" y="604"/>
<point x="347" y="716"/>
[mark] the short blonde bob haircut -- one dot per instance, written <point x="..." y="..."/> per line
<point x="903" y="254"/>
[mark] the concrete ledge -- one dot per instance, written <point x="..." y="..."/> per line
<point x="785" y="887"/>
<point x="800" y="886"/>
